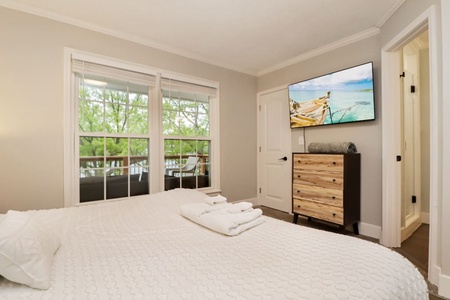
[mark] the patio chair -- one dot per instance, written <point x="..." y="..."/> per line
<point x="187" y="168"/>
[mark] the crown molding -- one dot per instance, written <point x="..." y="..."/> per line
<point x="389" y="12"/>
<point x="89" y="26"/>
<point x="327" y="48"/>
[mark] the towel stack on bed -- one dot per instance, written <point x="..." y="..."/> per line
<point x="219" y="215"/>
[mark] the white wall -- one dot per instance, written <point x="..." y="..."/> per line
<point x="31" y="108"/>
<point x="366" y="135"/>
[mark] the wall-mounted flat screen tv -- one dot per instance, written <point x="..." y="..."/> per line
<point x="340" y="97"/>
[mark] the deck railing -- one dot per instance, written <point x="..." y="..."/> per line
<point x="126" y="162"/>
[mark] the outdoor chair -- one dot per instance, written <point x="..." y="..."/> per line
<point x="187" y="168"/>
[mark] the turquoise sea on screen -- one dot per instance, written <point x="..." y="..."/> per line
<point x="345" y="106"/>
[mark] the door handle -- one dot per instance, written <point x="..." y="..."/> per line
<point x="283" y="158"/>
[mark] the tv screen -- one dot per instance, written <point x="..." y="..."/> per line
<point x="340" y="97"/>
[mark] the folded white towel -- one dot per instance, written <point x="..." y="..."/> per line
<point x="240" y="207"/>
<point x="226" y="223"/>
<point x="219" y="206"/>
<point x="197" y="209"/>
<point x="215" y="200"/>
<point x="193" y="210"/>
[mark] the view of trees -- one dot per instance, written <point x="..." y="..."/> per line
<point x="185" y="116"/>
<point x="121" y="109"/>
<point x="114" y="110"/>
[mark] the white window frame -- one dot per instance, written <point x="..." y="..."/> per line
<point x="156" y="172"/>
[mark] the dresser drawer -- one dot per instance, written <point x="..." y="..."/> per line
<point x="318" y="162"/>
<point x="319" y="178"/>
<point x="327" y="196"/>
<point x="319" y="211"/>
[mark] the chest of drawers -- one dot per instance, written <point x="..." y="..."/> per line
<point x="327" y="187"/>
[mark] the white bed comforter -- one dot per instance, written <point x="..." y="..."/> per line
<point x="144" y="249"/>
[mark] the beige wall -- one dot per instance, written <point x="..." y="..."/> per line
<point x="366" y="135"/>
<point x="425" y="128"/>
<point x="31" y="108"/>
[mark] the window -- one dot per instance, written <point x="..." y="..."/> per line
<point x="113" y="127"/>
<point x="121" y="117"/>
<point x="186" y="130"/>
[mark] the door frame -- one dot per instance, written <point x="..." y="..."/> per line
<point x="258" y="138"/>
<point x="391" y="209"/>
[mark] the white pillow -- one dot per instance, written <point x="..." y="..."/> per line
<point x="26" y="250"/>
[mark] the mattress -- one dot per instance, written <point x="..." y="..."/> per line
<point x="144" y="249"/>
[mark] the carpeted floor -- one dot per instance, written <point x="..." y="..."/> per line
<point x="415" y="248"/>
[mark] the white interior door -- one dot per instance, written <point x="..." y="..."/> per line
<point x="411" y="187"/>
<point x="274" y="151"/>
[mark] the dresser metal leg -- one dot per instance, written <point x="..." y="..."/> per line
<point x="355" y="228"/>
<point x="295" y="218"/>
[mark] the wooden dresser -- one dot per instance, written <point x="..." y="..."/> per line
<point x="327" y="187"/>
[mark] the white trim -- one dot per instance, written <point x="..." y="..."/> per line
<point x="390" y="94"/>
<point x="158" y="148"/>
<point x="435" y="150"/>
<point x="444" y="285"/>
<point x="389" y="12"/>
<point x="68" y="137"/>
<point x="321" y="50"/>
<point x="425" y="218"/>
<point x="444" y="209"/>
<point x="434" y="272"/>
<point x="391" y="170"/>
<point x="123" y="64"/>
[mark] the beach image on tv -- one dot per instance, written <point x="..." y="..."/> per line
<point x="340" y="97"/>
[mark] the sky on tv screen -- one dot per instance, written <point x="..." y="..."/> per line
<point x="356" y="78"/>
<point x="350" y="95"/>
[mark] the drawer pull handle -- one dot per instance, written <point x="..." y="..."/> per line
<point x="334" y="180"/>
<point x="334" y="163"/>
<point x="333" y="197"/>
<point x="334" y="215"/>
<point x="298" y="206"/>
<point x="298" y="191"/>
<point x="298" y="176"/>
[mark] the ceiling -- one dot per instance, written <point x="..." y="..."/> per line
<point x="250" y="36"/>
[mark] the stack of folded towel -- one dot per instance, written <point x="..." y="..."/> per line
<point x="219" y="215"/>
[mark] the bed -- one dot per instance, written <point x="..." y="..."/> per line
<point x="144" y="249"/>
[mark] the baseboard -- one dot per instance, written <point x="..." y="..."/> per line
<point x="444" y="286"/>
<point x="433" y="274"/>
<point x="425" y="217"/>
<point x="370" y="230"/>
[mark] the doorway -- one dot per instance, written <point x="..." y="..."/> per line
<point x="415" y="135"/>
<point x="391" y="58"/>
